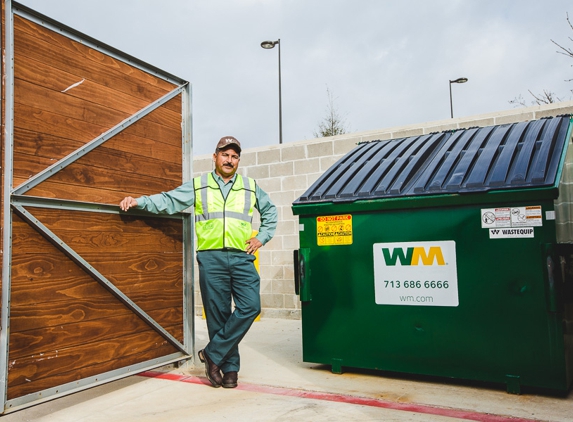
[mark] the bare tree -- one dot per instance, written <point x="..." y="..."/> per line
<point x="564" y="50"/>
<point x="547" y="97"/>
<point x="333" y="124"/>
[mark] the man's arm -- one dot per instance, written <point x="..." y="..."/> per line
<point x="269" y="221"/>
<point x="171" y="202"/>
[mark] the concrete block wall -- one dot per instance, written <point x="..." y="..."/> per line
<point x="286" y="171"/>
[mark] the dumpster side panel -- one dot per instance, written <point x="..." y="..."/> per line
<point x="502" y="327"/>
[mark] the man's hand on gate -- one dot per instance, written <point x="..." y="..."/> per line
<point x="127" y="203"/>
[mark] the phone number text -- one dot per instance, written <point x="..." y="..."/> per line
<point x="415" y="284"/>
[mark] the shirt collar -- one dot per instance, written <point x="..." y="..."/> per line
<point x="219" y="179"/>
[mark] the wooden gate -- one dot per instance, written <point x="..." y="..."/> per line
<point x="89" y="294"/>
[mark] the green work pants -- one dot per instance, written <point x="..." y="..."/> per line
<point x="226" y="275"/>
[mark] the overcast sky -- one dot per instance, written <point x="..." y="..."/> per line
<point x="386" y="62"/>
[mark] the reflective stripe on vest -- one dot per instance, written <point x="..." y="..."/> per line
<point x="219" y="222"/>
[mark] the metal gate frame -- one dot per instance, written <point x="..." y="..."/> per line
<point x="14" y="200"/>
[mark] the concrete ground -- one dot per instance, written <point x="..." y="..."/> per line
<point x="275" y="385"/>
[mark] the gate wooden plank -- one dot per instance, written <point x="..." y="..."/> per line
<point x="107" y="231"/>
<point x="53" y="79"/>
<point x="43" y="45"/>
<point x="90" y="194"/>
<point x="91" y="170"/>
<point x="48" y="146"/>
<point x="57" y="125"/>
<point x="76" y="363"/>
<point x="122" y="223"/>
<point x="48" y="300"/>
<point x="87" y="232"/>
<point x="33" y="342"/>
<point x="39" y="98"/>
<point x="81" y="356"/>
<point x="104" y="159"/>
<point x="54" y="124"/>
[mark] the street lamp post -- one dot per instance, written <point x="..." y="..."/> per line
<point x="455" y="81"/>
<point x="268" y="45"/>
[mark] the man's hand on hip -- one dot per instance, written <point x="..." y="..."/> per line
<point x="253" y="245"/>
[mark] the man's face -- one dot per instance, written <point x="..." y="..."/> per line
<point x="226" y="163"/>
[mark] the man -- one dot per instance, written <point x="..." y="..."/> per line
<point x="224" y="203"/>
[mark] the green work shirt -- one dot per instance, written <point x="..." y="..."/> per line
<point x="183" y="197"/>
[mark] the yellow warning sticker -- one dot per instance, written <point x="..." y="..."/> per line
<point x="334" y="230"/>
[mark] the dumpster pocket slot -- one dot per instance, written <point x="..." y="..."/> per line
<point x="302" y="274"/>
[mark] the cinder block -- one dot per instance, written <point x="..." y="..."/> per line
<point x="266" y="285"/>
<point x="269" y="156"/>
<point x="514" y="118"/>
<point x="293" y="182"/>
<point x="291" y="153"/>
<point x="281" y="313"/>
<point x="270" y="185"/>
<point x="478" y="122"/>
<point x="302" y="167"/>
<point x="258" y="172"/>
<point x="553" y="112"/>
<point x="272" y="272"/>
<point x="320" y="149"/>
<point x="283" y="198"/>
<point x="406" y="133"/>
<point x="282" y="169"/>
<point x="311" y="178"/>
<point x="440" y="128"/>
<point x="288" y="272"/>
<point x="286" y="227"/>
<point x="248" y="159"/>
<point x="291" y="241"/>
<point x="327" y="162"/>
<point x="272" y="300"/>
<point x="291" y="301"/>
<point x="283" y="287"/>
<point x="380" y="136"/>
<point x="282" y="258"/>
<point x="343" y="146"/>
<point x="288" y="215"/>
<point x="202" y="166"/>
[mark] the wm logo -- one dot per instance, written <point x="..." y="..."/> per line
<point x="414" y="256"/>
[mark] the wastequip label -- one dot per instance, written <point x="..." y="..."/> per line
<point x="511" y="222"/>
<point x="416" y="273"/>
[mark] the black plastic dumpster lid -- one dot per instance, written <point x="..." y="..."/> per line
<point x="510" y="156"/>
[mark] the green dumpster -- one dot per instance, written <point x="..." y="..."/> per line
<point x="448" y="254"/>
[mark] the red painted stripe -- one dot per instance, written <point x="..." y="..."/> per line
<point x="344" y="398"/>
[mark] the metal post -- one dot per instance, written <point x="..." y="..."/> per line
<point x="7" y="195"/>
<point x="280" y="98"/>
<point x="451" y="104"/>
<point x="455" y="81"/>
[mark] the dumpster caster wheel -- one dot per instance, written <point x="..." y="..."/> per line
<point x="513" y="386"/>
<point x="337" y="366"/>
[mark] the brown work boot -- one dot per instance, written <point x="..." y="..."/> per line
<point x="212" y="371"/>
<point x="230" y="379"/>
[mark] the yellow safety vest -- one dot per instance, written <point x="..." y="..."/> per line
<point x="223" y="223"/>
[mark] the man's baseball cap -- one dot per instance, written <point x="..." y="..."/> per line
<point x="228" y="142"/>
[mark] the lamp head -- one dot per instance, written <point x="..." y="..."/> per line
<point x="459" y="81"/>
<point x="269" y="44"/>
